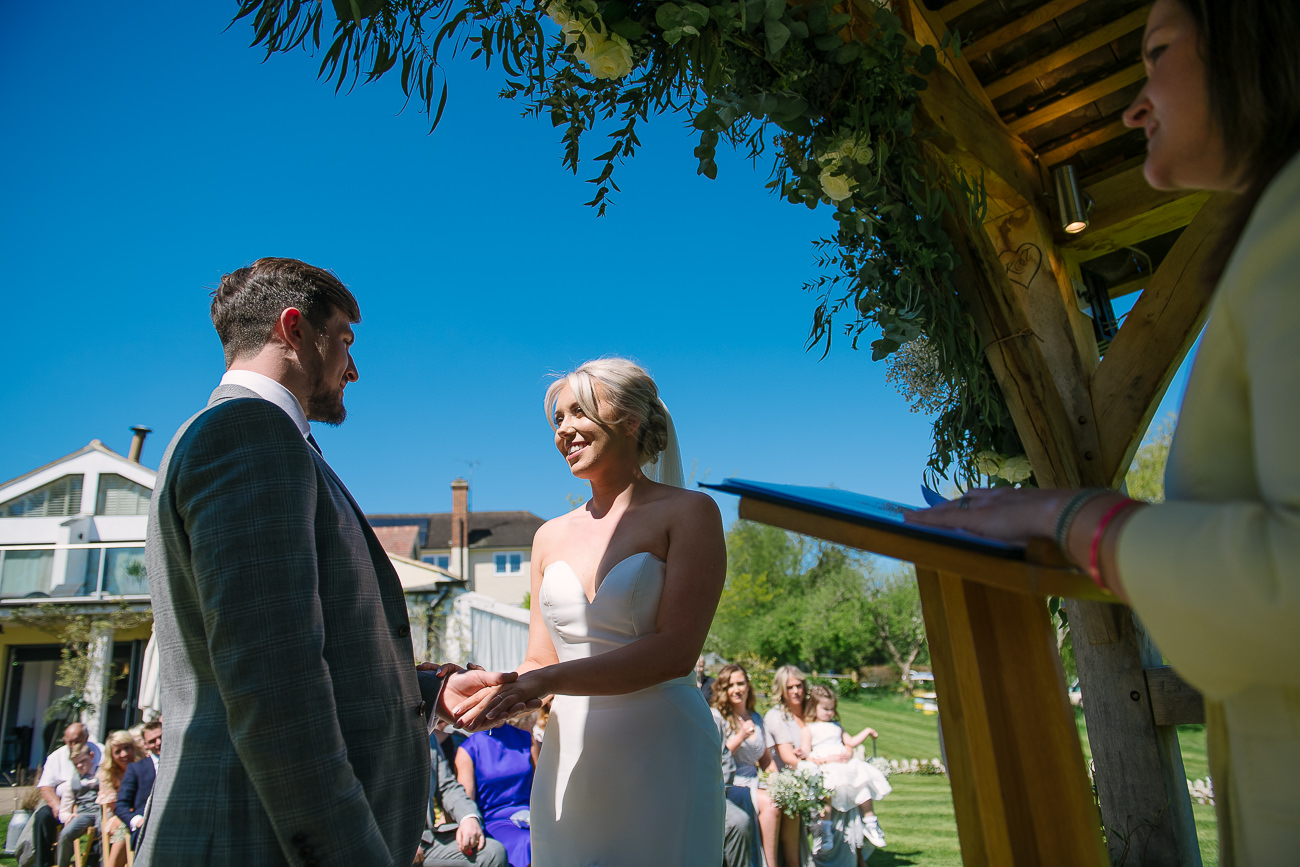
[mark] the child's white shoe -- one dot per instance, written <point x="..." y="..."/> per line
<point x="872" y="832"/>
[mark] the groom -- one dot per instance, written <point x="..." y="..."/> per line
<point x="295" y="725"/>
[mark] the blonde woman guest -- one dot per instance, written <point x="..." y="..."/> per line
<point x="625" y="588"/>
<point x="784" y="724"/>
<point x="1214" y="571"/>
<point x="743" y="735"/>
<point x="119" y="752"/>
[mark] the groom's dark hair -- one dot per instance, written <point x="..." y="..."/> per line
<point x="249" y="301"/>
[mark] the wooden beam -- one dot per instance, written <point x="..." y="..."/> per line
<point x="956" y="8"/>
<point x="1151" y="344"/>
<point x="1049" y="432"/>
<point x="969" y="134"/>
<point x="1135" y="20"/>
<point x="1019" y="27"/>
<point x="1059" y="154"/>
<point x="1049" y="112"/>
<point x="927" y="28"/>
<point x="1174" y="701"/>
<point x="1039" y="579"/>
<point x="1127" y="210"/>
<point x="1138" y="770"/>
<point x="1019" y="787"/>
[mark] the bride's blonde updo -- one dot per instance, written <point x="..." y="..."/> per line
<point x="627" y="393"/>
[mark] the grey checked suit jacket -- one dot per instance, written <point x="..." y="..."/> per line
<point x="291" y="710"/>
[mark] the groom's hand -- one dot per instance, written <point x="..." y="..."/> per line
<point x="460" y="686"/>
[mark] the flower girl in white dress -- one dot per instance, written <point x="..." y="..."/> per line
<point x="853" y="782"/>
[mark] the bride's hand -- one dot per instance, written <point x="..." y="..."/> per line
<point x="493" y="704"/>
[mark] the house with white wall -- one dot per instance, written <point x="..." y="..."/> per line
<point x="490" y="551"/>
<point x="71" y="545"/>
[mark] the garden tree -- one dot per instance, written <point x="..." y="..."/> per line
<point x="825" y="607"/>
<point x="895" y="611"/>
<point x="1146" y="476"/>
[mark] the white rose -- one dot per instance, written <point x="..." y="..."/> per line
<point x="987" y="463"/>
<point x="559" y="14"/>
<point x="612" y="58"/>
<point x="837" y="187"/>
<point x="1016" y="469"/>
<point x="573" y="28"/>
<point x="592" y="43"/>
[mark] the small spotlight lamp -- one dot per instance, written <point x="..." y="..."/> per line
<point x="1074" y="206"/>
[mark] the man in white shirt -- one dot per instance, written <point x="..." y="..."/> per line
<point x="58" y="769"/>
<point x="295" y="721"/>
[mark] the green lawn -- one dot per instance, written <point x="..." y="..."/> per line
<point x="918" y="817"/>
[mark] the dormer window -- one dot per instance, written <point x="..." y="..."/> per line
<point x="61" y="498"/>
<point x="119" y="495"/>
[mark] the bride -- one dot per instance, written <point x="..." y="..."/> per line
<point x="624" y="589"/>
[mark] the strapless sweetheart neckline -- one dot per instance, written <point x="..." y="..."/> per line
<point x="592" y="601"/>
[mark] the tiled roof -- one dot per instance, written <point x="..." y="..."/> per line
<point x="399" y="539"/>
<point x="486" y="529"/>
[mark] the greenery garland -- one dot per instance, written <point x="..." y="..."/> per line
<point x="831" y="90"/>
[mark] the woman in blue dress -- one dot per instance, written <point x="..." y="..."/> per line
<point x="496" y="769"/>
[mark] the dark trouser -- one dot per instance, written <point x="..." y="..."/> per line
<point x="45" y="833"/>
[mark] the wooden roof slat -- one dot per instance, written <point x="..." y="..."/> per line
<point x="1019" y="27"/>
<point x="1101" y="135"/>
<point x="956" y="8"/>
<point x="1127" y="210"/>
<point x="1135" y="20"/>
<point x="1049" y="112"/>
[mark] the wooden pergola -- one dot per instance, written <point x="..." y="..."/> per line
<point x="1042" y="85"/>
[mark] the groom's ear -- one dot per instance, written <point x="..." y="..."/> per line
<point x="290" y="328"/>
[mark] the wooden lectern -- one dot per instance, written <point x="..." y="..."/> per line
<point x="1020" y="789"/>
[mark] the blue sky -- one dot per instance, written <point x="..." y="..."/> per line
<point x="148" y="151"/>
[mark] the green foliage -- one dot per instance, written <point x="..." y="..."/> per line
<point x="1146" y="476"/>
<point x="824" y="607"/>
<point x="76" y="634"/>
<point x="832" y="91"/>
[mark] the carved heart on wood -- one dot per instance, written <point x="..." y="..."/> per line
<point x="1022" y="264"/>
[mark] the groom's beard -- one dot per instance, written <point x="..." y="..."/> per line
<point x="325" y="400"/>
<point x="325" y="405"/>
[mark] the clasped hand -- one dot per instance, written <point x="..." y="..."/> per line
<point x="464" y="688"/>
<point x="495" y="703"/>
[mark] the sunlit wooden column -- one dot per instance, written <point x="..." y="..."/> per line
<point x="1020" y="789"/>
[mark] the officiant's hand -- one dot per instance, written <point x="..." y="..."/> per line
<point x="1013" y="515"/>
<point x="492" y="705"/>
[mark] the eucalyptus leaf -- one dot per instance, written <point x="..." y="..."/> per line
<point x="695" y="15"/>
<point x="668" y="16"/>
<point x="777" y="36"/>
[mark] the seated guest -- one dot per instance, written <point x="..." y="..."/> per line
<point x="740" y="844"/>
<point x="79" y="813"/>
<point x="119" y="753"/>
<point x="58" y="769"/>
<point x="137" y="783"/>
<point x="453" y="834"/>
<point x="496" y="769"/>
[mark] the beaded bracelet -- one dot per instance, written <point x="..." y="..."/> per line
<point x="1072" y="507"/>
<point x="1094" y="569"/>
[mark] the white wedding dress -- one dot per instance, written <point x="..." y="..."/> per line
<point x="623" y="780"/>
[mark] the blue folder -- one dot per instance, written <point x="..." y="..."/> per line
<point x="864" y="510"/>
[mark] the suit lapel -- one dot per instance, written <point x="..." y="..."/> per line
<point x="390" y="585"/>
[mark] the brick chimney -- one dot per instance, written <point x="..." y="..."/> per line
<point x="459" y="541"/>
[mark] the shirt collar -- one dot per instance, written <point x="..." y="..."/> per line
<point x="268" y="389"/>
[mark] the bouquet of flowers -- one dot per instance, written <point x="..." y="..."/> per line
<point x="798" y="792"/>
